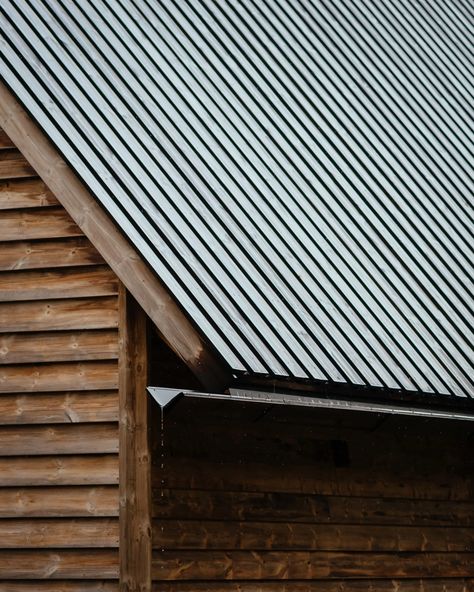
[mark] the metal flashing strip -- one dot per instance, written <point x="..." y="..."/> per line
<point x="164" y="397"/>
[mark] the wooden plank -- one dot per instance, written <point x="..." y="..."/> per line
<point x="59" y="586"/>
<point x="25" y="193"/>
<point x="5" y="141"/>
<point x="57" y="502"/>
<point x="72" y="407"/>
<point x="63" y="376"/>
<point x="246" y="565"/>
<point x="63" y="283"/>
<point x="135" y="454"/>
<point x="316" y="508"/>
<point x="97" y="469"/>
<point x="384" y="481"/>
<point x="59" y="315"/>
<point x="392" y="585"/>
<point x="21" y="348"/>
<point x="14" y="165"/>
<point x="59" y="533"/>
<point x="71" y="252"/>
<point x="29" y="224"/>
<point x="261" y="536"/>
<point x="93" y="438"/>
<point x="78" y="564"/>
<point x="175" y="328"/>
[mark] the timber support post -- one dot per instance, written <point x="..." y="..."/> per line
<point x="134" y="448"/>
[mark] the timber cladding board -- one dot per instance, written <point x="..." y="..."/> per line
<point x="58" y="407"/>
<point x="236" y="521"/>
<point x="37" y="223"/>
<point x="25" y="193"/>
<point x="59" y="315"/>
<point x="33" y="254"/>
<point x="59" y="499"/>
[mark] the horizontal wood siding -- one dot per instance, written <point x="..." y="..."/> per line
<point x="58" y="395"/>
<point x="333" y="502"/>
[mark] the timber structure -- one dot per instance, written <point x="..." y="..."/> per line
<point x="187" y="402"/>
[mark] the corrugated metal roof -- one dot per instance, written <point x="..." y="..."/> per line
<point x="298" y="173"/>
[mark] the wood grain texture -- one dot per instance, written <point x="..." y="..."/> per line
<point x="25" y="193"/>
<point x="14" y="165"/>
<point x="59" y="564"/>
<point x="59" y="377"/>
<point x="66" y="346"/>
<point x="365" y="585"/>
<point x="70" y="252"/>
<point x="258" y="536"/>
<point x="135" y="453"/>
<point x="97" y="469"/>
<point x="5" y="141"/>
<point x="90" y="438"/>
<point x="178" y="332"/>
<point x="58" y="502"/>
<point x="40" y="285"/>
<point x="327" y="480"/>
<point x="215" y="565"/>
<point x="59" y="315"/>
<point x="59" y="586"/>
<point x="29" y="224"/>
<point x="320" y="509"/>
<point x="58" y="533"/>
<point x="68" y="407"/>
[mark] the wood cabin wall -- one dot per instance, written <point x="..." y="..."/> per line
<point x="58" y="395"/>
<point x="298" y="501"/>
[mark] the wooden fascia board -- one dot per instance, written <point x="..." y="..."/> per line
<point x="175" y="328"/>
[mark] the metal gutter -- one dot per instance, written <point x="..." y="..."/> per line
<point x="166" y="397"/>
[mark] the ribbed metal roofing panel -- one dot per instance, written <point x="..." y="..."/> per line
<point x="298" y="173"/>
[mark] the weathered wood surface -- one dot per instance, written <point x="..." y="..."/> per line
<point x="71" y="252"/>
<point x="300" y="565"/>
<point x="58" y="502"/>
<point x="135" y="453"/>
<point x="40" y="285"/>
<point x="290" y="536"/>
<point x="51" y="408"/>
<point x="63" y="376"/>
<point x="320" y="509"/>
<point x="365" y="585"/>
<point x="59" y="315"/>
<point x="5" y="141"/>
<point x="59" y="533"/>
<point x="59" y="399"/>
<point x="59" y="564"/>
<point x="97" y="469"/>
<point x="14" y="165"/>
<point x="59" y="586"/>
<point x="296" y="510"/>
<point x="326" y="480"/>
<point x="58" y="347"/>
<point x="25" y="193"/>
<point x="92" y="438"/>
<point x="29" y="224"/>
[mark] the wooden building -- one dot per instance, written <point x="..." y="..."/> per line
<point x="188" y="403"/>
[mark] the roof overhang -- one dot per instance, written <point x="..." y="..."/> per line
<point x="166" y="397"/>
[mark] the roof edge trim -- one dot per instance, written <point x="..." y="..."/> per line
<point x="166" y="397"/>
<point x="172" y="323"/>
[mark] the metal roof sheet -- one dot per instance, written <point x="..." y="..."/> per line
<point x="299" y="173"/>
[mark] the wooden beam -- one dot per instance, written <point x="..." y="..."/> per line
<point x="134" y="448"/>
<point x="174" y="327"/>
